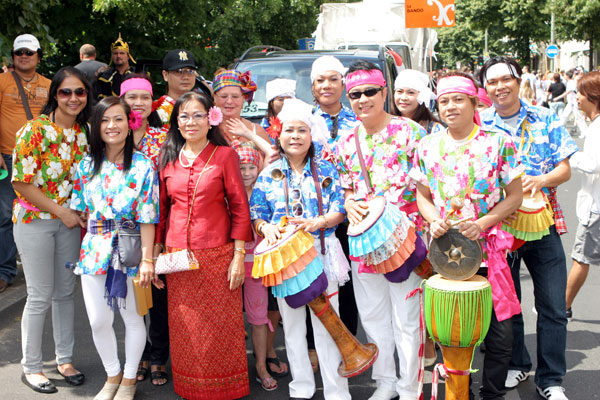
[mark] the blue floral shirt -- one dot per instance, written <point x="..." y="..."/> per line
<point x="347" y="121"/>
<point x="542" y="139"/>
<point x="110" y="195"/>
<point x="268" y="198"/>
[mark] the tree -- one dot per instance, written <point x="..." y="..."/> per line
<point x="578" y="20"/>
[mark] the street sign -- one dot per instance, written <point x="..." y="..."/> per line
<point x="552" y="51"/>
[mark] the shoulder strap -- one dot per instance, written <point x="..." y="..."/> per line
<point x="23" y="96"/>
<point x="315" y="176"/>
<point x="361" y="160"/>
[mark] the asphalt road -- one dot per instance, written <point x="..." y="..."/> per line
<point x="583" y="344"/>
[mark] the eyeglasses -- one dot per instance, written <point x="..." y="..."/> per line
<point x="67" y="93"/>
<point x="297" y="208"/>
<point x="183" y="71"/>
<point x="21" y="52"/>
<point x="368" y="92"/>
<point x="184" y="118"/>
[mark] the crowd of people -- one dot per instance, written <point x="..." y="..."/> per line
<point x="96" y="163"/>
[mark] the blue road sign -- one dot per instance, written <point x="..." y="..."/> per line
<point x="552" y="51"/>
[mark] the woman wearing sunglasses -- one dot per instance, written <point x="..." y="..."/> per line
<point x="297" y="173"/>
<point x="46" y="231"/>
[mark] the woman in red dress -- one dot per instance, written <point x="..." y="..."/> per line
<point x="204" y="208"/>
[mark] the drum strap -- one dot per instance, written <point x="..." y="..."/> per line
<point x="315" y="176"/>
<point x="361" y="160"/>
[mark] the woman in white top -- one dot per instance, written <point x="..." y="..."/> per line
<point x="586" y="249"/>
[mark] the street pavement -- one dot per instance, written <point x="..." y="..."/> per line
<point x="583" y="344"/>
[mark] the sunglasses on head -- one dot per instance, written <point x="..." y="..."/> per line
<point x="368" y="92"/>
<point x="67" y="93"/>
<point x="21" y="52"/>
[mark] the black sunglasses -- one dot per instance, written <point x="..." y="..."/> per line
<point x="20" y="52"/>
<point x="66" y="93"/>
<point x="369" y="93"/>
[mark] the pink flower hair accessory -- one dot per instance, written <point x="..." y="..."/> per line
<point x="135" y="120"/>
<point x="215" y="116"/>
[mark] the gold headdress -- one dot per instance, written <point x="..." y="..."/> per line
<point x="120" y="44"/>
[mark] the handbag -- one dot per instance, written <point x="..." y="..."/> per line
<point x="129" y="244"/>
<point x="181" y="260"/>
<point x="143" y="297"/>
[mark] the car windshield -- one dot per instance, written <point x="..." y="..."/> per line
<point x="265" y="70"/>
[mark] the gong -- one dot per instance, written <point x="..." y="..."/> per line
<point x="454" y="256"/>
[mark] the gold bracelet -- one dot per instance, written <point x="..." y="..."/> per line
<point x="259" y="228"/>
<point x="151" y="261"/>
<point x="162" y="246"/>
<point x="326" y="222"/>
<point x="240" y="250"/>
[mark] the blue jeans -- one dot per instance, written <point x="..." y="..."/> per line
<point x="545" y="260"/>
<point x="8" y="249"/>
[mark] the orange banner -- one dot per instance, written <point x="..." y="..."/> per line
<point x="429" y="13"/>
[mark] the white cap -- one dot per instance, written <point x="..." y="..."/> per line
<point x="416" y="80"/>
<point x="26" y="41"/>
<point x="297" y="110"/>
<point x="281" y="88"/>
<point x="324" y="64"/>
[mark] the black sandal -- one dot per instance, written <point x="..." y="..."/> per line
<point x="154" y="375"/>
<point x="276" y="361"/>
<point x="142" y="372"/>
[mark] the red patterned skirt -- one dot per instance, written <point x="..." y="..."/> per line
<point x="206" y="330"/>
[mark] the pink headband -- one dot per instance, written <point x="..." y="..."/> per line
<point x="363" y="77"/>
<point x="456" y="84"/>
<point x="483" y="97"/>
<point x="136" y="84"/>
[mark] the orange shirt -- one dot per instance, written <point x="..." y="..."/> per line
<point x="12" y="112"/>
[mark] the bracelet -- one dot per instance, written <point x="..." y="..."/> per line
<point x="162" y="247"/>
<point x="259" y="228"/>
<point x="151" y="261"/>
<point x="240" y="250"/>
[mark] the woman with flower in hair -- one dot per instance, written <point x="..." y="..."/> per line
<point x="232" y="88"/>
<point x="148" y="135"/>
<point x="116" y="187"/>
<point x="204" y="209"/>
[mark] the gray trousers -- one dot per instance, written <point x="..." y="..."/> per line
<point x="45" y="246"/>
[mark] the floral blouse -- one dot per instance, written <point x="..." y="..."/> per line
<point x="388" y="156"/>
<point x="46" y="156"/>
<point x="475" y="170"/>
<point x="151" y="142"/>
<point x="164" y="107"/>
<point x="112" y="195"/>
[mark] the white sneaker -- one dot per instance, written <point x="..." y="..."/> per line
<point x="514" y="377"/>
<point x="383" y="394"/>
<point x="552" y="393"/>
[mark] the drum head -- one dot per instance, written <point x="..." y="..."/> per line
<point x="263" y="247"/>
<point x="476" y="282"/>
<point x="454" y="256"/>
<point x="533" y="203"/>
<point x="376" y="207"/>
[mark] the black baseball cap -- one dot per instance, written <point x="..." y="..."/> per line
<point x="178" y="58"/>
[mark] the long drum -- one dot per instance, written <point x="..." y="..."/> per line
<point x="306" y="284"/>
<point x="458" y="315"/>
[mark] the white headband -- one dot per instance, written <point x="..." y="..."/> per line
<point x="324" y="64"/>
<point x="416" y="80"/>
<point x="500" y="69"/>
<point x="281" y="88"/>
<point x="297" y="110"/>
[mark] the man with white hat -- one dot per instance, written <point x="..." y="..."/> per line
<point x="23" y="93"/>
<point x="327" y="77"/>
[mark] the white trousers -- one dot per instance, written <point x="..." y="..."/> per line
<point x="390" y="321"/>
<point x="101" y="318"/>
<point x="302" y="385"/>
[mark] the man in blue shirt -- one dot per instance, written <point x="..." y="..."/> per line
<point x="544" y="147"/>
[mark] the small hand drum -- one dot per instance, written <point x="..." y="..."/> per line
<point x="454" y="256"/>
